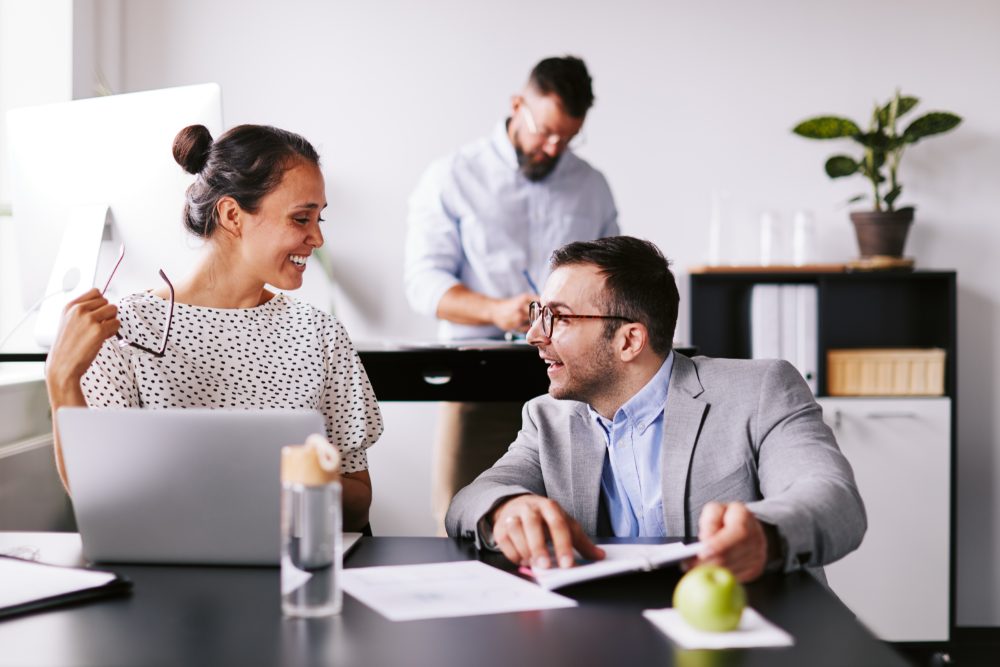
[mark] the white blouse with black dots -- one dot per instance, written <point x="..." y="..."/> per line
<point x="282" y="354"/>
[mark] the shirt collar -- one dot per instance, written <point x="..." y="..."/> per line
<point x="503" y="146"/>
<point x="647" y="404"/>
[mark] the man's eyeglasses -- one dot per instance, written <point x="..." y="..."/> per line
<point x="552" y="139"/>
<point x="170" y="312"/>
<point x="537" y="310"/>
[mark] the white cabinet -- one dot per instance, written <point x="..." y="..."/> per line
<point x="897" y="582"/>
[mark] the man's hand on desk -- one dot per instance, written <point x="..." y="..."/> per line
<point x="523" y="526"/>
<point x="736" y="539"/>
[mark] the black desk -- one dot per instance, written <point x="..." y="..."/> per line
<point x="491" y="372"/>
<point x="483" y="372"/>
<point x="231" y="616"/>
<point x="500" y="372"/>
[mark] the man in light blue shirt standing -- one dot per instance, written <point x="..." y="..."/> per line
<point x="483" y="223"/>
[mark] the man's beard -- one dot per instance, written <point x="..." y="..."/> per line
<point x="535" y="171"/>
<point x="593" y="381"/>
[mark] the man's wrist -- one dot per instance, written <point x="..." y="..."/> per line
<point x="484" y="527"/>
<point x="490" y="308"/>
<point x="775" y="558"/>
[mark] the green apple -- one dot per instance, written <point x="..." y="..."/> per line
<point x="709" y="598"/>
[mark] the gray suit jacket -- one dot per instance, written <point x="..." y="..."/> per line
<point x="734" y="430"/>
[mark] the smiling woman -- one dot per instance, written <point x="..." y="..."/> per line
<point x="229" y="341"/>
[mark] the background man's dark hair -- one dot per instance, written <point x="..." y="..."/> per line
<point x="638" y="284"/>
<point x="568" y="78"/>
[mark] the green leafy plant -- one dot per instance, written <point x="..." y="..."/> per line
<point x="883" y="145"/>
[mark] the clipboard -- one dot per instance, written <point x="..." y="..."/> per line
<point x="27" y="586"/>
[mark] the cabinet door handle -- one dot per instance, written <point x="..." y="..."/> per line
<point x="899" y="414"/>
<point x="437" y="376"/>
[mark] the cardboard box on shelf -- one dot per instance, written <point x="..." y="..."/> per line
<point x="885" y="372"/>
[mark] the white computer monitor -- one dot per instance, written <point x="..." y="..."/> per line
<point x="73" y="162"/>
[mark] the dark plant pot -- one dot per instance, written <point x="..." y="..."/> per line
<point x="881" y="232"/>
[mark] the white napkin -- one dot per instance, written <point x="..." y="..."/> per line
<point x="754" y="630"/>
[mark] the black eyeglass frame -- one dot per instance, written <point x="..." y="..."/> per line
<point x="537" y="310"/>
<point x="122" y="342"/>
<point x="170" y="314"/>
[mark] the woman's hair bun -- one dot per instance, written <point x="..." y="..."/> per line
<point x="191" y="148"/>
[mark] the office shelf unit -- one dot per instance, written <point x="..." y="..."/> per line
<point x="901" y="581"/>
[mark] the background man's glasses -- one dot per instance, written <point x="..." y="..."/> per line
<point x="537" y="310"/>
<point x="161" y="350"/>
<point x="553" y="139"/>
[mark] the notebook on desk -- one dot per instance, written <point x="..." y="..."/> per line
<point x="29" y="586"/>
<point x="190" y="486"/>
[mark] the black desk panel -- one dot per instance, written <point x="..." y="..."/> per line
<point x="231" y="616"/>
<point x="511" y="372"/>
<point x="491" y="372"/>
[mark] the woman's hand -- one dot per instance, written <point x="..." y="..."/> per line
<point x="87" y="321"/>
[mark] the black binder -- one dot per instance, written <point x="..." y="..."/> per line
<point x="70" y="593"/>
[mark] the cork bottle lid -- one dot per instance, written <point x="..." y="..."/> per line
<point x="315" y="463"/>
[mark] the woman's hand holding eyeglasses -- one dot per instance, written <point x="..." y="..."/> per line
<point x="87" y="321"/>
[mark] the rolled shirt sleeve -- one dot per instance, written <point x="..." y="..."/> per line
<point x="433" y="256"/>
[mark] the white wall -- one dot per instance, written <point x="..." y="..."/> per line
<point x="29" y="74"/>
<point x="691" y="97"/>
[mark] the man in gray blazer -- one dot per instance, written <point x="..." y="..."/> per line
<point x="635" y="440"/>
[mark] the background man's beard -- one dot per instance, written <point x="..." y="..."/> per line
<point x="535" y="171"/>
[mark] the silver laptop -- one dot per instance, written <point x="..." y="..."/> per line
<point x="192" y="486"/>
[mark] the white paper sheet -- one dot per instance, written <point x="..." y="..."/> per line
<point x="24" y="581"/>
<point x="444" y="590"/>
<point x="754" y="631"/>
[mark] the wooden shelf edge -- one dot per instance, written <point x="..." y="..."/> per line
<point x="771" y="268"/>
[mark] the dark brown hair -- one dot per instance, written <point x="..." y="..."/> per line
<point x="245" y="163"/>
<point x="638" y="284"/>
<point x="568" y="78"/>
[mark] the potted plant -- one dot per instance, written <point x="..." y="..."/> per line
<point x="882" y="230"/>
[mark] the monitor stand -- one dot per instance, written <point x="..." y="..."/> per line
<point x="75" y="267"/>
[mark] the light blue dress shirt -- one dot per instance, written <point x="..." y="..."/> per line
<point x="632" y="481"/>
<point x="475" y="219"/>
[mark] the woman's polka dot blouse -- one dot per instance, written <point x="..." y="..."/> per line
<point x="282" y="354"/>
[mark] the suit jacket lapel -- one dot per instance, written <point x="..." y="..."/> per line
<point x="587" y="450"/>
<point x="682" y="419"/>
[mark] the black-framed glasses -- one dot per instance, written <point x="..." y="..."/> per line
<point x="122" y="342"/>
<point x="537" y="310"/>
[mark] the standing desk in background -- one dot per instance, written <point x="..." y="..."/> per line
<point x="473" y="371"/>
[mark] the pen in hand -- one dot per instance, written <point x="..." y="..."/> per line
<point x="531" y="283"/>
